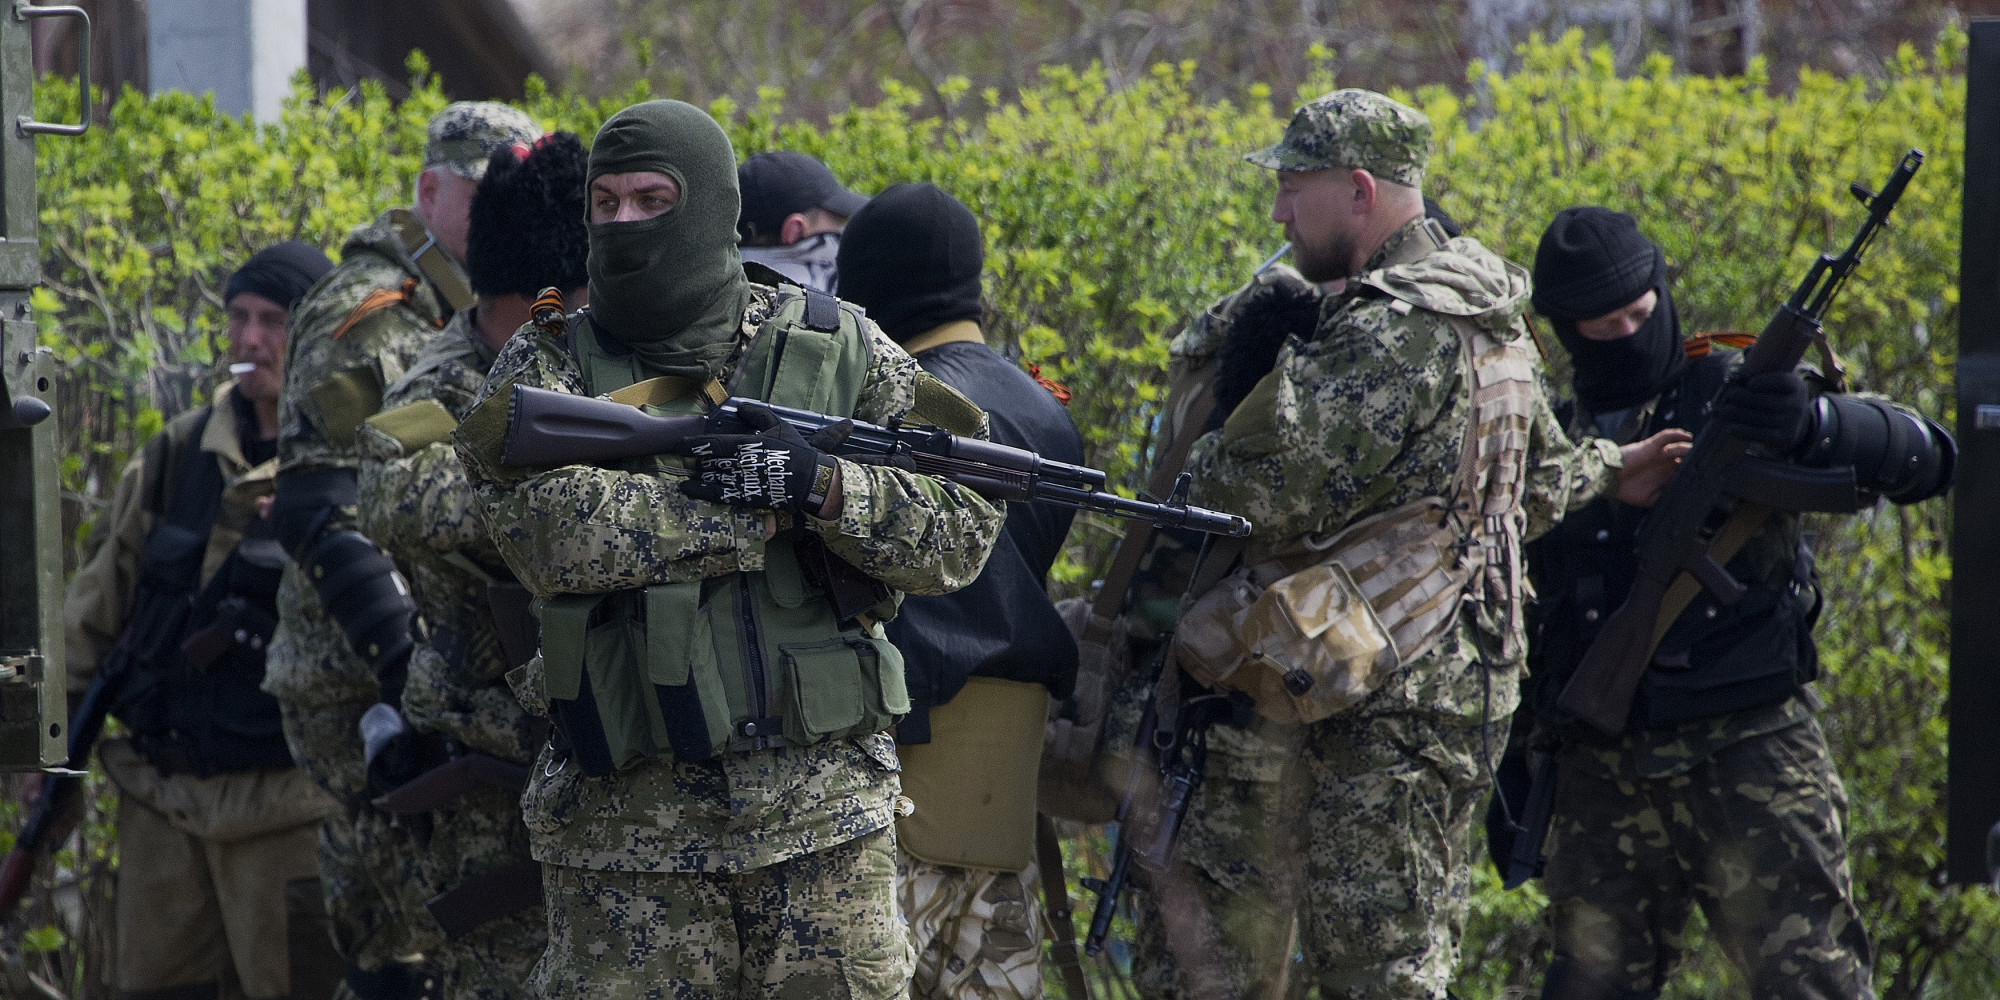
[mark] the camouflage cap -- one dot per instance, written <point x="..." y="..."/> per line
<point x="465" y="133"/>
<point x="1355" y="130"/>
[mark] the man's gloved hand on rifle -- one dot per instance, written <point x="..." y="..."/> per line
<point x="1773" y="409"/>
<point x="776" y="468"/>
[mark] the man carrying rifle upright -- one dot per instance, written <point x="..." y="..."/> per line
<point x="1392" y="459"/>
<point x="712" y="815"/>
<point x="218" y="894"/>
<point x="345" y="619"/>
<point x="1720" y="794"/>
<point x="982" y="662"/>
<point x="455" y="756"/>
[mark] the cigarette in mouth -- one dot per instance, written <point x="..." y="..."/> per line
<point x="243" y="368"/>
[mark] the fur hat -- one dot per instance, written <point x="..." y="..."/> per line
<point x="527" y="230"/>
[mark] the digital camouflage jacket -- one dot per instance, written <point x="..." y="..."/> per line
<point x="581" y="530"/>
<point x="1370" y="414"/>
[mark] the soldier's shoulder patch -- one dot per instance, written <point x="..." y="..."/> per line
<point x="943" y="406"/>
<point x="341" y="401"/>
<point x="415" y="426"/>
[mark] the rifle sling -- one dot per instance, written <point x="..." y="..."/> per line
<point x="666" y="389"/>
<point x="1743" y="525"/>
<point x="438" y="269"/>
<point x="1132" y="547"/>
<point x="1055" y="895"/>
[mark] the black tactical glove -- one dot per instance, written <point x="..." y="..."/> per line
<point x="773" y="469"/>
<point x="393" y="752"/>
<point x="1771" y="409"/>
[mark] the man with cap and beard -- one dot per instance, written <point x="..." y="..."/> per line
<point x="712" y="813"/>
<point x="456" y="755"/>
<point x="1721" y="794"/>
<point x="983" y="662"/>
<point x="217" y="830"/>
<point x="345" y="616"/>
<point x="793" y="214"/>
<point x="1349" y="775"/>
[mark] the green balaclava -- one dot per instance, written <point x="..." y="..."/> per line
<point x="670" y="288"/>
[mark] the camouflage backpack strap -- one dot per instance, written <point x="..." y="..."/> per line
<point x="439" y="270"/>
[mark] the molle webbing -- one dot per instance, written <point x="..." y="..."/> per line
<point x="1415" y="562"/>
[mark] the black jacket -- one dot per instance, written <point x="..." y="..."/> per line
<point x="1002" y="625"/>
<point x="1716" y="658"/>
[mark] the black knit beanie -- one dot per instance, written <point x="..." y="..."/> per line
<point x="281" y="272"/>
<point x="527" y="231"/>
<point x="912" y="257"/>
<point x="1591" y="262"/>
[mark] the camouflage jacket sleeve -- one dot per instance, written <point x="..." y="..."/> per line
<point x="580" y="529"/>
<point x="356" y="332"/>
<point x="414" y="493"/>
<point x="915" y="533"/>
<point x="420" y="500"/>
<point x="1562" y="475"/>
<point x="1367" y="415"/>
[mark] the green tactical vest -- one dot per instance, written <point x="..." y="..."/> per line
<point x="731" y="663"/>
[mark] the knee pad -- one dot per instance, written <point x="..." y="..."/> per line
<point x="361" y="590"/>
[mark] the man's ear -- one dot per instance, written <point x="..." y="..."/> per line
<point x="1365" y="191"/>
<point x="427" y="187"/>
<point x="793" y="229"/>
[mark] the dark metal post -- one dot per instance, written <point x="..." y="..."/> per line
<point x="1974" y="769"/>
<point x="33" y="706"/>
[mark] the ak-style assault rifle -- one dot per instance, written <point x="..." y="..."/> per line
<point x="560" y="428"/>
<point x="1149" y="818"/>
<point x="1679" y="535"/>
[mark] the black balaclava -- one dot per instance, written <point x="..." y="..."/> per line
<point x="912" y="258"/>
<point x="1591" y="262"/>
<point x="281" y="272"/>
<point x="526" y="231"/>
<point x="670" y="288"/>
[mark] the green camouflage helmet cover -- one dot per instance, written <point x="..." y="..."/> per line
<point x="465" y="133"/>
<point x="1354" y="130"/>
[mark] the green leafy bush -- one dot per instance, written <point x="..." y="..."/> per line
<point x="1111" y="215"/>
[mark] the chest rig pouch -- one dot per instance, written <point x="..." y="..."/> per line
<point x="732" y="663"/>
<point x="1314" y="627"/>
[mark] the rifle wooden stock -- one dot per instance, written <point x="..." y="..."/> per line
<point x="1695" y="505"/>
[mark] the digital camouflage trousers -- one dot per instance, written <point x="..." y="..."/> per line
<point x="817" y="926"/>
<point x="1754" y="835"/>
<point x="1347" y="840"/>
<point x="977" y="933"/>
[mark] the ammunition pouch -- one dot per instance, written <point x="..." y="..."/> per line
<point x="670" y="671"/>
<point x="1893" y="451"/>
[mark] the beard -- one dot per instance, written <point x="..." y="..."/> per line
<point x="1330" y="260"/>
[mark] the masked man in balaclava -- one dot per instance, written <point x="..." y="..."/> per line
<point x="455" y="757"/>
<point x="983" y="662"/>
<point x="1721" y="794"/>
<point x="712" y="814"/>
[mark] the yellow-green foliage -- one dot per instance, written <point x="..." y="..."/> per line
<point x="1109" y="217"/>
